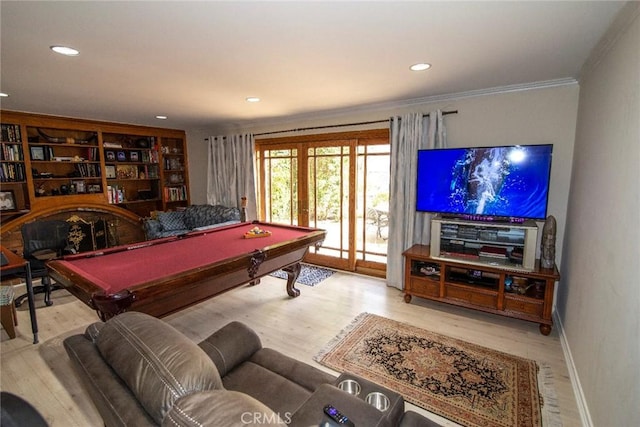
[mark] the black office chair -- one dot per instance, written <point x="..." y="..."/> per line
<point x="43" y="241"/>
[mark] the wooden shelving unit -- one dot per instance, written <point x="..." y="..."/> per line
<point x="13" y="172"/>
<point x="58" y="160"/>
<point x="174" y="171"/>
<point x="525" y="295"/>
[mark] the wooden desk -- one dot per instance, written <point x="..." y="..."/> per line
<point x="17" y="265"/>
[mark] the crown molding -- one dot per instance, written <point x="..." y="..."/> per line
<point x="385" y="106"/>
<point x="620" y="24"/>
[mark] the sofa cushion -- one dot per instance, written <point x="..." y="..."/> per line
<point x="158" y="363"/>
<point x="221" y="408"/>
<point x="171" y="221"/>
<point x="275" y="391"/>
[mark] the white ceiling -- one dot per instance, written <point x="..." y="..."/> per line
<point x="196" y="62"/>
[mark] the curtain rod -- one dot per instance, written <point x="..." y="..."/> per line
<point x="444" y="113"/>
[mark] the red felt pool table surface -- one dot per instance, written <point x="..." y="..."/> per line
<point x="202" y="264"/>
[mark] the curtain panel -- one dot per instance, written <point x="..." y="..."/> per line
<point x="231" y="172"/>
<point x="408" y="134"/>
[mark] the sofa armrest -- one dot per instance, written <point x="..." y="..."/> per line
<point x="152" y="228"/>
<point x="311" y="413"/>
<point x="231" y="345"/>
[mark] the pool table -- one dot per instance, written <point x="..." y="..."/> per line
<point x="162" y="276"/>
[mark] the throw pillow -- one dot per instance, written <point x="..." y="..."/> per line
<point x="172" y="221"/>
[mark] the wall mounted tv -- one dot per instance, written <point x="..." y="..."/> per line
<point x="485" y="183"/>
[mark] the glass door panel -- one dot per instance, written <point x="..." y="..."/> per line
<point x="372" y="208"/>
<point x="329" y="200"/>
<point x="278" y="170"/>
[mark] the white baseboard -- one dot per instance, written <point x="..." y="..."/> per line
<point x="583" y="408"/>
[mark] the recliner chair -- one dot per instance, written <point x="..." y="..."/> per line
<point x="43" y="241"/>
<point x="138" y="370"/>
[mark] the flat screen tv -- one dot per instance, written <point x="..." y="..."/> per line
<point x="485" y="183"/>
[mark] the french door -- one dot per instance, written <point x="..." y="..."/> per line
<point x="337" y="182"/>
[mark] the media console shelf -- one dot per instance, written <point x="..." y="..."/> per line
<point x="525" y="295"/>
<point x="507" y="245"/>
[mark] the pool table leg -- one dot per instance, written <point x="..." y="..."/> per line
<point x="110" y="305"/>
<point x="293" y="271"/>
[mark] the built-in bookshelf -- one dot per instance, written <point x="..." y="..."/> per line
<point x="13" y="172"/>
<point x="64" y="161"/>
<point x="46" y="161"/>
<point x="132" y="171"/>
<point x="175" y="176"/>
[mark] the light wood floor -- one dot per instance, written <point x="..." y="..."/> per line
<point x="298" y="327"/>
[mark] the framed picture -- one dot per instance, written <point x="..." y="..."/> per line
<point x="7" y="201"/>
<point x="122" y="157"/>
<point x="79" y="185"/>
<point x="110" y="170"/>
<point x="111" y="156"/>
<point x="94" y="188"/>
<point x="133" y="156"/>
<point x="37" y="153"/>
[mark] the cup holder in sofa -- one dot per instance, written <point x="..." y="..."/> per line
<point x="381" y="398"/>
<point x="350" y="386"/>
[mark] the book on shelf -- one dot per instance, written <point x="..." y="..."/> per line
<point x="11" y="133"/>
<point x="149" y="156"/>
<point x="175" y="194"/>
<point x="12" y="172"/>
<point x="115" y="194"/>
<point x="11" y="153"/>
<point x="88" y="170"/>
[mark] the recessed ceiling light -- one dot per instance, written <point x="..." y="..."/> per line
<point x="161" y="117"/>
<point x="65" y="50"/>
<point x="3" y="95"/>
<point x="420" y="67"/>
<point x="253" y="99"/>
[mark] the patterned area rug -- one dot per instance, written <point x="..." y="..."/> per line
<point x="309" y="275"/>
<point x="464" y="382"/>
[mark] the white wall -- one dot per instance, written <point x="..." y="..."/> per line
<point x="534" y="116"/>
<point x="197" y="149"/>
<point x="599" y="299"/>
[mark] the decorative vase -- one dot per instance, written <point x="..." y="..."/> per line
<point x="548" y="243"/>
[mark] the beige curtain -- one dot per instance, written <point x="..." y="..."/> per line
<point x="407" y="227"/>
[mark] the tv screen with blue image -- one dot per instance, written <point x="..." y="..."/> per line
<point x="510" y="182"/>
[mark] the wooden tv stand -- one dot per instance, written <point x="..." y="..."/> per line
<point x="526" y="295"/>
